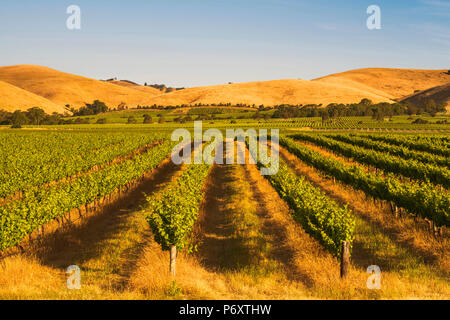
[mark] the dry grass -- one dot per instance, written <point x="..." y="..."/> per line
<point x="64" y="88"/>
<point x="13" y="98"/>
<point x="236" y="258"/>
<point x="407" y="231"/>
<point x="106" y="247"/>
<point x="414" y="263"/>
<point x="269" y="93"/>
<point x="440" y="95"/>
<point x="394" y="83"/>
<point x="249" y="248"/>
<point x="151" y="90"/>
<point x="378" y="85"/>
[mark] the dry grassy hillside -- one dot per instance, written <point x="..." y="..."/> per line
<point x="440" y="95"/>
<point x="13" y="98"/>
<point x="376" y="84"/>
<point x="391" y="83"/>
<point x="150" y="90"/>
<point x="269" y="93"/>
<point x="64" y="88"/>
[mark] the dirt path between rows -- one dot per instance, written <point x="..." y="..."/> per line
<point x="213" y="230"/>
<point x="85" y="243"/>
<point x="299" y="258"/>
<point x="404" y="231"/>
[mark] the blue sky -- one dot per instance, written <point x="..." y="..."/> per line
<point x="202" y="42"/>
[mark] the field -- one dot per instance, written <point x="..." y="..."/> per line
<point x="108" y="199"/>
<point x="244" y="117"/>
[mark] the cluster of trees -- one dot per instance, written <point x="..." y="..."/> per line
<point x="91" y="109"/>
<point x="378" y="111"/>
<point x="183" y="119"/>
<point x="147" y="119"/>
<point x="365" y="108"/>
<point x="162" y="87"/>
<point x="200" y="104"/>
<point x="33" y="116"/>
<point x="258" y="116"/>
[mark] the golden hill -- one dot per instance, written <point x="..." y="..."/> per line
<point x="64" y="88"/>
<point x="13" y="98"/>
<point x="376" y="84"/>
<point x="126" y="84"/>
<point x="268" y="93"/>
<point x="391" y="83"/>
<point x="440" y="95"/>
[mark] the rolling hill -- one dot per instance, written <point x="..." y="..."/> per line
<point x="13" y="98"/>
<point x="376" y="84"/>
<point x="269" y="93"/>
<point x="64" y="88"/>
<point x="391" y="83"/>
<point x="440" y="95"/>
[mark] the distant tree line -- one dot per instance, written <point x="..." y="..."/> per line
<point x="378" y="111"/>
<point x="364" y="108"/>
<point x="33" y="116"/>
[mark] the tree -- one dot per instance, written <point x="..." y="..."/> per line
<point x="5" y="117"/>
<point x="122" y="106"/>
<point x="101" y="121"/>
<point x="36" y="115"/>
<point x="147" y="119"/>
<point x="378" y="115"/>
<point x="430" y="105"/>
<point x="18" y="119"/>
<point x="366" y="102"/>
<point x="161" y="119"/>
<point x="411" y="109"/>
<point x="131" y="119"/>
<point x="90" y="109"/>
<point x="257" y="116"/>
<point x="98" y="107"/>
<point x="420" y="121"/>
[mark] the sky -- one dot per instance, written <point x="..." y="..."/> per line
<point x="186" y="43"/>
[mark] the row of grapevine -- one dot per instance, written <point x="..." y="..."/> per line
<point x="419" y="145"/>
<point x="51" y="161"/>
<point x="173" y="212"/>
<point x="399" y="151"/>
<point x="419" y="198"/>
<point x="407" y="168"/>
<point x="39" y="206"/>
<point x="319" y="215"/>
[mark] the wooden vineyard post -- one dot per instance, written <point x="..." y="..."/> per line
<point x="173" y="258"/>
<point x="345" y="258"/>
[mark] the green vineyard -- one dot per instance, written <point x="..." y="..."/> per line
<point x="50" y="182"/>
